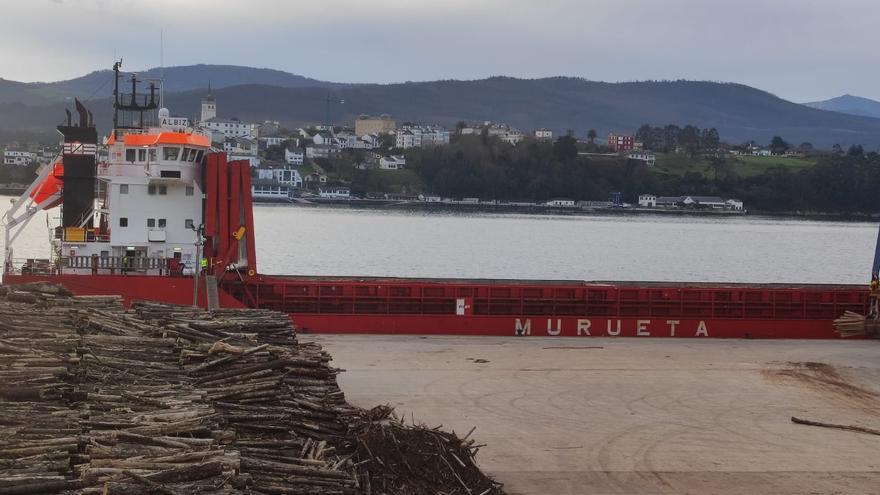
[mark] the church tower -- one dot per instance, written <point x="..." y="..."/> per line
<point x="209" y="106"/>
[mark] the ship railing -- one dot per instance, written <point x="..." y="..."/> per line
<point x="116" y="264"/>
<point x="81" y="234"/>
<point x="612" y="302"/>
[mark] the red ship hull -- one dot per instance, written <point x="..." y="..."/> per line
<point x="510" y="307"/>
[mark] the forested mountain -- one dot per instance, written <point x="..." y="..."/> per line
<point x="853" y="105"/>
<point x="739" y="112"/>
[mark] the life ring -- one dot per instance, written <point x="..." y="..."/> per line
<point x="251" y="273"/>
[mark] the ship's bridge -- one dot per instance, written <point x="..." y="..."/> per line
<point x="160" y="155"/>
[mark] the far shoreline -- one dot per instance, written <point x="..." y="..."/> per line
<point x="572" y="211"/>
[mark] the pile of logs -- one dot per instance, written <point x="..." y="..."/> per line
<point x="393" y="457"/>
<point x="161" y="399"/>
<point x="853" y="324"/>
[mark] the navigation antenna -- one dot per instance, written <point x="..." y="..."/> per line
<point x="128" y="111"/>
<point x="161" y="67"/>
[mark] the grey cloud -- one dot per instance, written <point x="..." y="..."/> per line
<point x="799" y="49"/>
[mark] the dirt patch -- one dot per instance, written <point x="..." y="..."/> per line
<point x="825" y="380"/>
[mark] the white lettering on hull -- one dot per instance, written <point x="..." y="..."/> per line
<point x="613" y="328"/>
<point x="583" y="326"/>
<point x="702" y="330"/>
<point x="523" y="328"/>
<point x="615" y="332"/>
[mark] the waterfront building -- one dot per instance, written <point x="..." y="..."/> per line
<point x="334" y="193"/>
<point x="647" y="201"/>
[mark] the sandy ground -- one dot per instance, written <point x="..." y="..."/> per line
<point x="569" y="416"/>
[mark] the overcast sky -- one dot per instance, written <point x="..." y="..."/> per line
<point x="800" y="50"/>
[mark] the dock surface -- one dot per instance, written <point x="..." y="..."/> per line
<point x="621" y="416"/>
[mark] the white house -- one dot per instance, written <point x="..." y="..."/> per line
<point x="267" y="141"/>
<point x="713" y="202"/>
<point x="284" y="175"/>
<point x="295" y="157"/>
<point x="12" y="157"/>
<point x="647" y="200"/>
<point x="321" y="151"/>
<point x="761" y="152"/>
<point x="321" y="138"/>
<point x="270" y="189"/>
<point x="417" y="136"/>
<point x="512" y="136"/>
<point x="734" y="204"/>
<point x="406" y="139"/>
<point x="643" y="156"/>
<point x="242" y="149"/>
<point x="370" y="141"/>
<point x="334" y="193"/>
<point x="231" y="127"/>
<point x="560" y="203"/>
<point x="543" y="133"/>
<point x="393" y="162"/>
<point x="347" y="140"/>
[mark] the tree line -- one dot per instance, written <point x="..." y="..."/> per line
<point x="473" y="166"/>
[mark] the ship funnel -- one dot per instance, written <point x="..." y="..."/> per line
<point x="83" y="113"/>
<point x="91" y="119"/>
<point x="69" y="117"/>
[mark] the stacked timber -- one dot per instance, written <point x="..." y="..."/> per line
<point x="853" y="324"/>
<point x="163" y="399"/>
<point x="39" y="433"/>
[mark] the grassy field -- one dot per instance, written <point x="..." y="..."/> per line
<point x="756" y="165"/>
<point x="744" y="166"/>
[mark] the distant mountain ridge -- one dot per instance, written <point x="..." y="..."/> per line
<point x="99" y="84"/>
<point x="853" y="105"/>
<point x="739" y="112"/>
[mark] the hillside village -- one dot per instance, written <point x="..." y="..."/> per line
<point x="366" y="160"/>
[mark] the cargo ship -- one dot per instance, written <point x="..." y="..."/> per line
<point x="166" y="217"/>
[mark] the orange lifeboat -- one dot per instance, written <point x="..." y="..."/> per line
<point x="47" y="194"/>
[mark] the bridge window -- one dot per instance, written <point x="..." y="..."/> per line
<point x="189" y="190"/>
<point x="171" y="153"/>
<point x="151" y="189"/>
<point x="188" y="223"/>
<point x="123" y="188"/>
<point x="142" y="155"/>
<point x="163" y="190"/>
<point x="151" y="222"/>
<point x="130" y="155"/>
<point x="162" y="223"/>
<point x="123" y="221"/>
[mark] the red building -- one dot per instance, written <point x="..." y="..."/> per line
<point x="619" y="142"/>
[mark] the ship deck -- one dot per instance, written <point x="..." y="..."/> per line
<point x="569" y="416"/>
<point x="548" y="282"/>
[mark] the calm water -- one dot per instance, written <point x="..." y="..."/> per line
<point x="330" y="241"/>
<point x="326" y="241"/>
